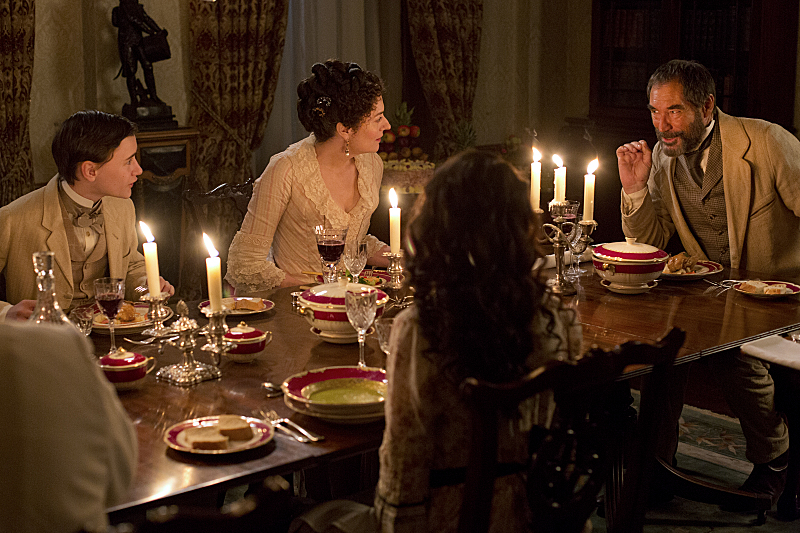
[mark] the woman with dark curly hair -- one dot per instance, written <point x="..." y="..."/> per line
<point x="480" y="310"/>
<point x="332" y="178"/>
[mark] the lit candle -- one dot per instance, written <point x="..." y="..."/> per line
<point x="560" y="183"/>
<point x="394" y="223"/>
<point x="536" y="179"/>
<point x="588" y="190"/>
<point x="213" y="272"/>
<point x="151" y="261"/>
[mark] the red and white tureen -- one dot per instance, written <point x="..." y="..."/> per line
<point x="324" y="308"/>
<point x="628" y="267"/>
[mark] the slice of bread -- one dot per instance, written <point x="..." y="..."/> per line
<point x="777" y="288"/>
<point x="235" y="427"/>
<point x="206" y="438"/>
<point x="753" y="286"/>
<point x="251" y="305"/>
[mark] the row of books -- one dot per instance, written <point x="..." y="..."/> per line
<point x="702" y="30"/>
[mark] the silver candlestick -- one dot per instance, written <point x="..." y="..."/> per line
<point x="215" y="334"/>
<point x="189" y="372"/>
<point x="157" y="312"/>
<point x="393" y="287"/>
<point x="560" y="233"/>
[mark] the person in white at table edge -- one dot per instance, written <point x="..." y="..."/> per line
<point x="84" y="215"/>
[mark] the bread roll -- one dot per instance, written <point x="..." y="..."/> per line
<point x="235" y="427"/>
<point x="127" y="313"/>
<point x="206" y="438"/>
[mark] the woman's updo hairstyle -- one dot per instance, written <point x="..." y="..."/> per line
<point x="336" y="92"/>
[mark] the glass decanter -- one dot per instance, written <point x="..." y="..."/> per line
<point x="47" y="310"/>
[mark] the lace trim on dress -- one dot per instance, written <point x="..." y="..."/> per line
<point x="308" y="176"/>
<point x="248" y="269"/>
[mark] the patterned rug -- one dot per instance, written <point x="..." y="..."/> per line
<point x="711" y="446"/>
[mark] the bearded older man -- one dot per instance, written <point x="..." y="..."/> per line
<point x="730" y="187"/>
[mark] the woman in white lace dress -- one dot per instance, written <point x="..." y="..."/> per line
<point x="331" y="177"/>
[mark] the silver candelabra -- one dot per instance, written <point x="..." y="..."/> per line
<point x="559" y="233"/>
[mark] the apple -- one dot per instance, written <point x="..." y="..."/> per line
<point x="392" y="156"/>
<point x="416" y="151"/>
<point x="405" y="152"/>
<point x="414" y="131"/>
<point x="388" y="137"/>
<point x="388" y="147"/>
<point x="403" y="142"/>
<point x="403" y="131"/>
<point x="383" y="155"/>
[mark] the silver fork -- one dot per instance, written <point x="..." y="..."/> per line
<point x="149" y="340"/>
<point x="296" y="436"/>
<point x="273" y="417"/>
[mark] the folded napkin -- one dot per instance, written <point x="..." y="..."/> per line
<point x="549" y="261"/>
<point x="775" y="349"/>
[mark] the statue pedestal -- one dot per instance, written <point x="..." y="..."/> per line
<point x="151" y="117"/>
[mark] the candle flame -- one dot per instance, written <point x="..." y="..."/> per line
<point x="557" y="160"/>
<point x="146" y="231"/>
<point x="393" y="197"/>
<point x="592" y="166"/>
<point x="212" y="252"/>
<point x="537" y="155"/>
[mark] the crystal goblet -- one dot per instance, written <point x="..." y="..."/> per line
<point x="330" y="244"/>
<point x="355" y="258"/>
<point x="383" y="327"/>
<point x="361" y="307"/>
<point x="108" y="293"/>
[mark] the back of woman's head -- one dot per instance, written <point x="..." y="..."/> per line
<point x="472" y="264"/>
<point x="336" y="92"/>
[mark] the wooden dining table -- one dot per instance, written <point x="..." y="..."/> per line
<point x="713" y="320"/>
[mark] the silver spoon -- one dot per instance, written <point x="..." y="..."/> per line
<point x="271" y="390"/>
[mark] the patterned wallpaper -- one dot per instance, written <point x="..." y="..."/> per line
<point x="76" y="60"/>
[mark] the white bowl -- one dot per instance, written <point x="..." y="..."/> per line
<point x="629" y="263"/>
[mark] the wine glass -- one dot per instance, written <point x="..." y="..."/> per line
<point x="571" y="216"/>
<point x="383" y="326"/>
<point x="330" y="244"/>
<point x="109" y="292"/>
<point x="361" y="305"/>
<point x="355" y="258"/>
<point x="83" y="318"/>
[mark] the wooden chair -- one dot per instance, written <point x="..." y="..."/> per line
<point x="571" y="461"/>
<point x="195" y="222"/>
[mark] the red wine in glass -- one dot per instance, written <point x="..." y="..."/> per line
<point x="110" y="304"/>
<point x="330" y="250"/>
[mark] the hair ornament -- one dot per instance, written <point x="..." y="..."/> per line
<point x="323" y="102"/>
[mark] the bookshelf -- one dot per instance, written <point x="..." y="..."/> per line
<point x="750" y="47"/>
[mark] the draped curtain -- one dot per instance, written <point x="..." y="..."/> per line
<point x="16" y="73"/>
<point x="445" y="40"/>
<point x="235" y="56"/>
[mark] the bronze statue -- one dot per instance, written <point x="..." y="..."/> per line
<point x="134" y="48"/>
<point x="141" y="40"/>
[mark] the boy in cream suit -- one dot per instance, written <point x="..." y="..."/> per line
<point x="84" y="215"/>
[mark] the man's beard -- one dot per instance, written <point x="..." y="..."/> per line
<point x="691" y="137"/>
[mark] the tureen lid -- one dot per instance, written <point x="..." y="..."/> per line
<point x="332" y="294"/>
<point x="244" y="333"/>
<point x="630" y="251"/>
<point x="122" y="357"/>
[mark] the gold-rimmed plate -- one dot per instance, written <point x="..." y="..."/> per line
<point x="793" y="289"/>
<point x="701" y="270"/>
<point x="259" y="305"/>
<point x="175" y="436"/>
